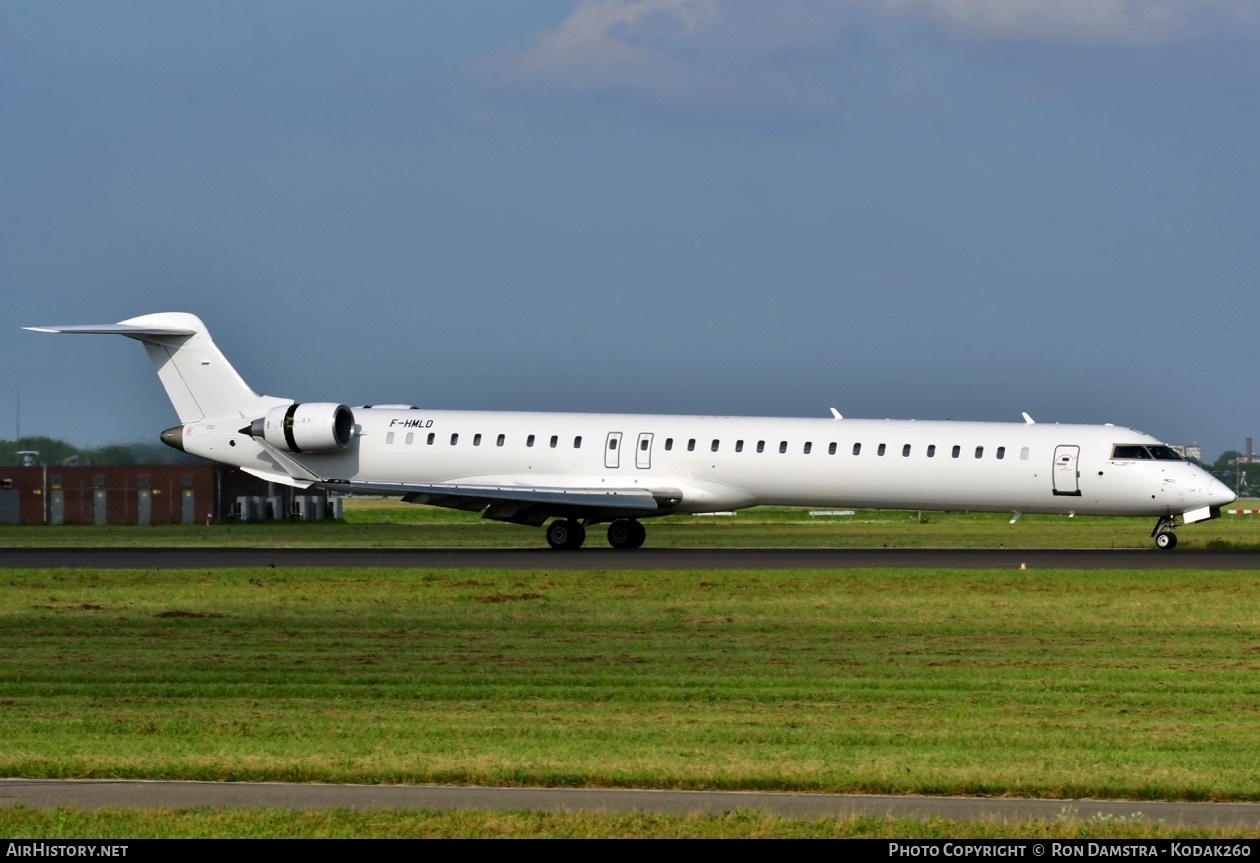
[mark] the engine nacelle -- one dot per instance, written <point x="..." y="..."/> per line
<point x="318" y="427"/>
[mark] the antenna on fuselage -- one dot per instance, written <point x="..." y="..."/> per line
<point x="1029" y="420"/>
<point x="836" y="414"/>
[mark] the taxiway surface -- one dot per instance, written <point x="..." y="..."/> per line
<point x="102" y="793"/>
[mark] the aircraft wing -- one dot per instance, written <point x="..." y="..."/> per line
<point x="519" y="504"/>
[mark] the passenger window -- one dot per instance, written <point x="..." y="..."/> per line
<point x="809" y="445"/>
<point x="500" y="440"/>
<point x="410" y="438"/>
<point x="761" y="446"/>
<point x="957" y="451"/>
<point x="979" y="452"/>
<point x="905" y="451"/>
<point x="931" y="450"/>
<point x="739" y="446"/>
<point x="555" y="439"/>
<point x="454" y="439"/>
<point x="389" y="438"/>
<point x="476" y="440"/>
<point x="857" y="449"/>
<point x="529" y="441"/>
<point x="643" y="444"/>
<point x="831" y="449"/>
<point x="880" y="451"/>
<point x="1001" y="452"/>
<point x="577" y="442"/>
<point x="691" y="445"/>
<point x="432" y="437"/>
<point x="714" y="445"/>
<point x="612" y="443"/>
<point x="782" y="446"/>
<point x="669" y="444"/>
<point x="1023" y="454"/>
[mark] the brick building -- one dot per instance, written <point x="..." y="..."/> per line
<point x="150" y="494"/>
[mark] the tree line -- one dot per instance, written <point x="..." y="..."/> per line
<point x="53" y="451"/>
<point x="1236" y="473"/>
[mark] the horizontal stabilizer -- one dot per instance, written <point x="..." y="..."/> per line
<point x="115" y="330"/>
<point x="198" y="379"/>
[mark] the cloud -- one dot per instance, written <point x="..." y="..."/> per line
<point x="791" y="58"/>
<point x="705" y="56"/>
<point x="1110" y="22"/>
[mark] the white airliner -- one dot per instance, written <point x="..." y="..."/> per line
<point x="586" y="469"/>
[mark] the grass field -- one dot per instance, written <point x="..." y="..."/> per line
<point x="1139" y="685"/>
<point x="1100" y="684"/>
<point x="378" y="523"/>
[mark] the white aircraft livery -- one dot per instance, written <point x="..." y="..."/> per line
<point x="585" y="469"/>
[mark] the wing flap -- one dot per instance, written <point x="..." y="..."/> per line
<point x="639" y="499"/>
<point x="520" y="504"/>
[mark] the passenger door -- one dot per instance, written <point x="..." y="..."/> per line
<point x="1066" y="476"/>
<point x="612" y="450"/>
<point x="643" y="451"/>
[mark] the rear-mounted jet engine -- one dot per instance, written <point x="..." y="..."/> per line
<point x="317" y="427"/>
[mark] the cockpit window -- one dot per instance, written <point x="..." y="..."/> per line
<point x="1156" y="451"/>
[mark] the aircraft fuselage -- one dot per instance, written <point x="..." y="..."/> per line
<point x="724" y="463"/>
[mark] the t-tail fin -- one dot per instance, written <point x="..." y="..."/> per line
<point x="199" y="380"/>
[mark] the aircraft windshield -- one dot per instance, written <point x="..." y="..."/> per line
<point x="1137" y="451"/>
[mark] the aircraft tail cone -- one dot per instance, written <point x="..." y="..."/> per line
<point x="174" y="437"/>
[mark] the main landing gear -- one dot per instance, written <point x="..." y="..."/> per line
<point x="626" y="533"/>
<point x="566" y="533"/>
<point x="1163" y="532"/>
<point x="571" y="533"/>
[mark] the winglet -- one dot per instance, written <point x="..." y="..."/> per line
<point x="1027" y="418"/>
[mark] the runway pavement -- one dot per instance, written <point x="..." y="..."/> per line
<point x="100" y="793"/>
<point x="643" y="558"/>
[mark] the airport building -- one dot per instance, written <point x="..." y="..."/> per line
<point x="151" y="494"/>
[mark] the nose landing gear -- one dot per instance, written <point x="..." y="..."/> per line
<point x="1163" y="532"/>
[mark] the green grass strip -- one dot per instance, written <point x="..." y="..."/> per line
<point x="1134" y="684"/>
<point x="375" y="523"/>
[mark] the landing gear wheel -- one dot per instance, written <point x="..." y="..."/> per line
<point x="565" y="533"/>
<point x="626" y="533"/>
<point x="1166" y="540"/>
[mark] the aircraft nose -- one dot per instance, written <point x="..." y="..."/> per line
<point x="1220" y="494"/>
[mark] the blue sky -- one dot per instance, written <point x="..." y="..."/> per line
<point x="903" y="208"/>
